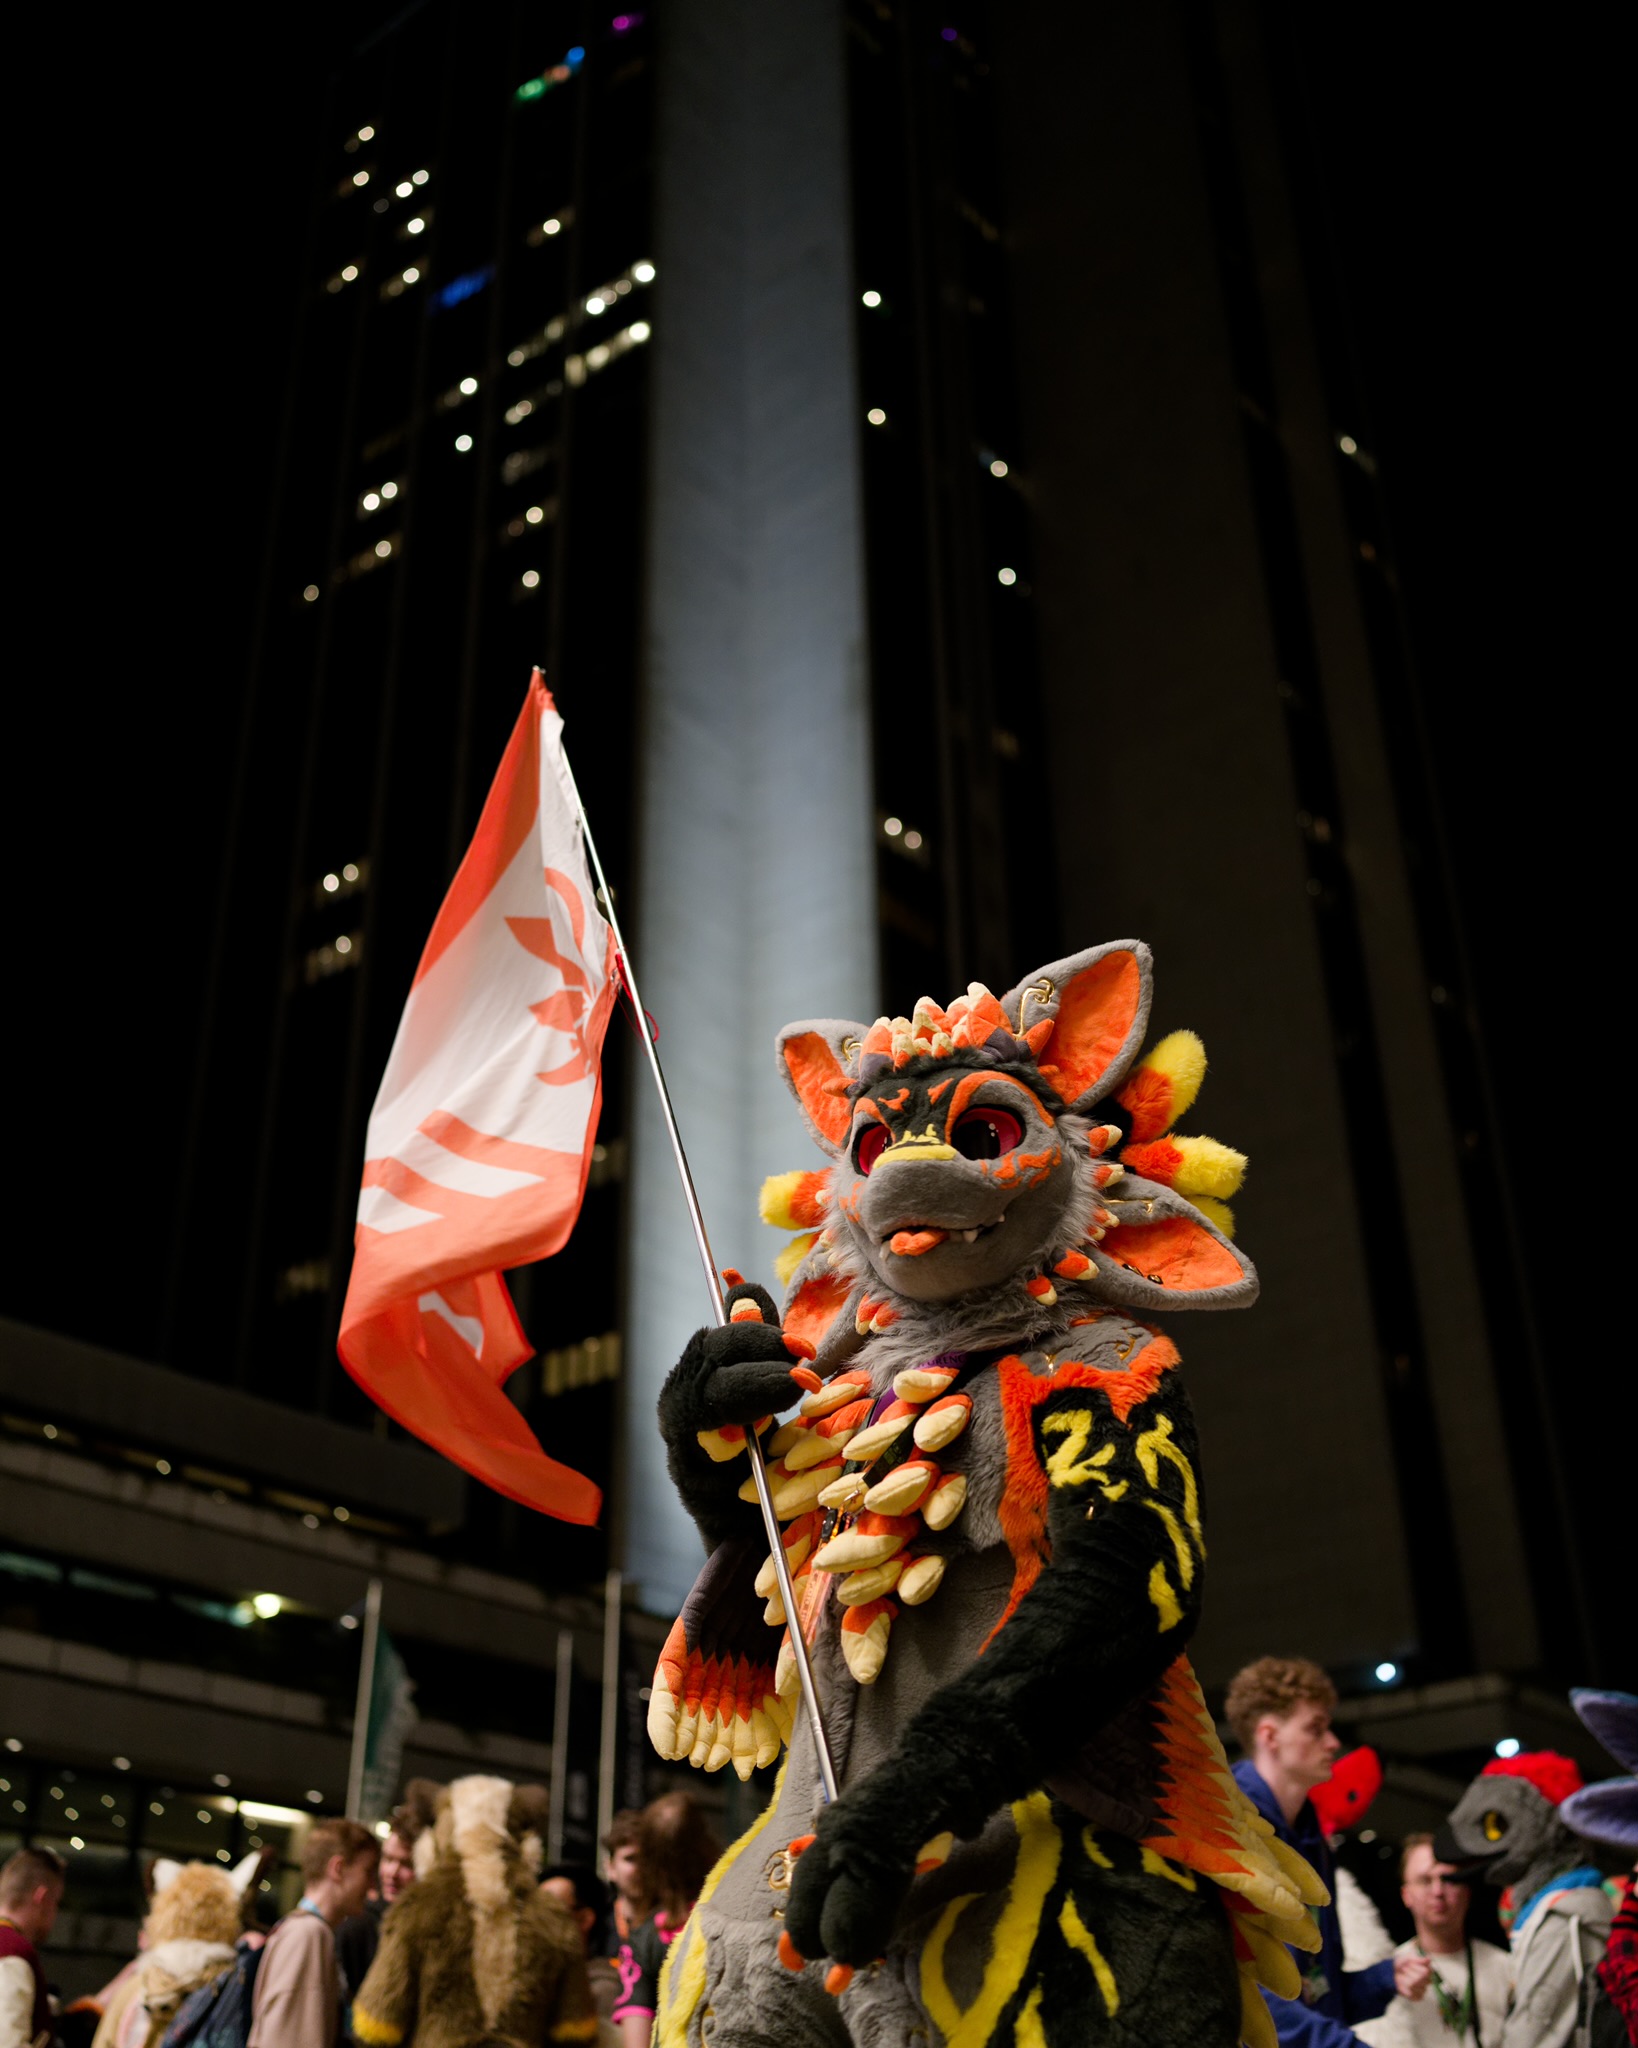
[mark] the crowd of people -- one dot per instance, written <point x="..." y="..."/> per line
<point x="444" y="1933"/>
<point x="1441" y="1985"/>
<point x="447" y="1932"/>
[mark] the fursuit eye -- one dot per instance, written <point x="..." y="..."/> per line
<point x="1493" y="1825"/>
<point x="986" y="1133"/>
<point x="870" y="1147"/>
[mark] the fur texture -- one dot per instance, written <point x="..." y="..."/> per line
<point x="475" y="1953"/>
<point x="1037" y="1835"/>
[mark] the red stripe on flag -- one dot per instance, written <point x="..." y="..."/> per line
<point x="422" y="1372"/>
<point x="509" y="812"/>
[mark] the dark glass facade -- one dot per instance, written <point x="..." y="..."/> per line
<point x="963" y="892"/>
<point x="459" y="497"/>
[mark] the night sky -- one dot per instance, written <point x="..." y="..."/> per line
<point x="161" y="232"/>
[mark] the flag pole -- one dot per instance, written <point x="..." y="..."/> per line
<point x="713" y="1282"/>
<point x="608" y="1727"/>
<point x="364" y="1701"/>
<point x="557" y="1797"/>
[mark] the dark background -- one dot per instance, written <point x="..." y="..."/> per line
<point x="162" y="224"/>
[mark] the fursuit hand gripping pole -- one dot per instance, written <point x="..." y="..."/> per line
<point x="713" y="1282"/>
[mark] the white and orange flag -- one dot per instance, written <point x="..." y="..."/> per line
<point x="481" y="1137"/>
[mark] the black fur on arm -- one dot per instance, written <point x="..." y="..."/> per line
<point x="1084" y="1642"/>
<point x="738" y="1373"/>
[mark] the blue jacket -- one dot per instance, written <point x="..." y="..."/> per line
<point x="1333" y="1998"/>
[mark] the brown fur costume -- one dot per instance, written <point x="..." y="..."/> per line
<point x="476" y="1953"/>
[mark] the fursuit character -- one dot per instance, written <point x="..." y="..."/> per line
<point x="1507" y="1829"/>
<point x="475" y="1953"/>
<point x="193" y="1921"/>
<point x="1607" y="1812"/>
<point x="991" y="1503"/>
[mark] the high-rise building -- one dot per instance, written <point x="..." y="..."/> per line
<point x="460" y="496"/>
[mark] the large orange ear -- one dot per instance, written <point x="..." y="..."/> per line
<point x="1098" y="1005"/>
<point x="814" y="1057"/>
<point x="1162" y="1253"/>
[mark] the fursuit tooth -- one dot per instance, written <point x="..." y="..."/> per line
<point x="943" y="1422"/>
<point x="949" y="1497"/>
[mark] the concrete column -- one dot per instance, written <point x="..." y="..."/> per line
<point x="755" y="899"/>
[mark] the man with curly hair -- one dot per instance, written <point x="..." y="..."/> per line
<point x="1280" y="1710"/>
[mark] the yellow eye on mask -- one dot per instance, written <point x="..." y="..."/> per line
<point x="1493" y="1825"/>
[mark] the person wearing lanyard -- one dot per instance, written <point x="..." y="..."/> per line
<point x="1472" y="1980"/>
<point x="298" y="1994"/>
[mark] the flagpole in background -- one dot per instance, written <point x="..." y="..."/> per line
<point x="713" y="1282"/>
<point x="558" y="1796"/>
<point x="613" y="1587"/>
<point x="363" y="1701"/>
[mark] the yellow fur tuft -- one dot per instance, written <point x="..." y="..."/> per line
<point x="1181" y="1057"/>
<point x="373" y="2032"/>
<point x="795" y="1252"/>
<point x="1256" y="2021"/>
<point x="1208" y="1168"/>
<point x="1217" y="1213"/>
<point x="778" y="1192"/>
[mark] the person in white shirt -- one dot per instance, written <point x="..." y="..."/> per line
<point x="1472" y="1980"/>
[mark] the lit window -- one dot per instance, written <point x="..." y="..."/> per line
<point x="404" y="190"/>
<point x="361" y="177"/>
<point x="311" y="593"/>
<point x="414" y="227"/>
<point x="419" y="177"/>
<point x="871" y="299"/>
<point x="595" y="304"/>
<point x="998" y="467"/>
<point x="383" y="548"/>
<point x="468" y="386"/>
<point x="463" y="443"/>
<point x="324" y="961"/>
<point x="643" y="272"/>
<point x="551" y="227"/>
<point x="366" y="134"/>
<point x="530" y="579"/>
<point x="590" y="1363"/>
<point x="535" y="514"/>
<point x="892" y="827"/>
<point x="1007" y="576"/>
<point x="876" y="416"/>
